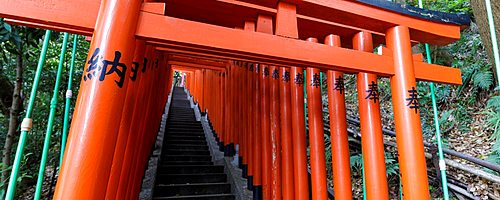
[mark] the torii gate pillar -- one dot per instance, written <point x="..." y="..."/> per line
<point x="407" y="116"/>
<point x="91" y="143"/>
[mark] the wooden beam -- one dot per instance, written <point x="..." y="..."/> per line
<point x="378" y="20"/>
<point x="68" y="14"/>
<point x="154" y="8"/>
<point x="197" y="60"/>
<point x="182" y="69"/>
<point x="195" y="65"/>
<point x="344" y="18"/>
<point x="49" y="27"/>
<point x="72" y="16"/>
<point x="257" y="46"/>
<point x="196" y="10"/>
<point x="230" y="43"/>
<point x="436" y="73"/>
<point x="317" y="18"/>
<point x="220" y="41"/>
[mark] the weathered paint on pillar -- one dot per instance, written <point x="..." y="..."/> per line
<point x="103" y="91"/>
<point x="275" y="134"/>
<point x="286" y="135"/>
<point x="265" y="25"/>
<point x="407" y="116"/>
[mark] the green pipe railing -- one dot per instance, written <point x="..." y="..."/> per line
<point x="50" y="123"/>
<point x="67" y="106"/>
<point x="321" y="84"/>
<point x="27" y="121"/>
<point x="363" y="178"/>
<point x="442" y="164"/>
<point x="494" y="42"/>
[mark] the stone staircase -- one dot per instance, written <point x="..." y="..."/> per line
<point x="186" y="170"/>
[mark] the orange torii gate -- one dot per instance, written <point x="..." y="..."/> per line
<point x="251" y="54"/>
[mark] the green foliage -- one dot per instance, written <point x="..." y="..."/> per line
<point x="483" y="79"/>
<point x="391" y="164"/>
<point x="356" y="161"/>
<point x="493" y="114"/>
<point x="328" y="155"/>
<point x="450" y="6"/>
<point x="471" y="58"/>
<point x="494" y="117"/>
<point x="494" y="103"/>
<point x="30" y="39"/>
<point x="432" y="189"/>
<point x="458" y="104"/>
<point x="494" y="121"/>
<point x="444" y="118"/>
<point x="12" y="37"/>
<point x="494" y="157"/>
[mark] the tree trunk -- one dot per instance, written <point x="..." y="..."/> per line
<point x="6" y="91"/>
<point x="481" y="18"/>
<point x="14" y="114"/>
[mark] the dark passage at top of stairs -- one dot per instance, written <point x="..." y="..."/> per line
<point x="186" y="170"/>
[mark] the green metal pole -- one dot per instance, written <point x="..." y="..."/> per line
<point x="321" y="83"/>
<point x="494" y="42"/>
<point x="69" y="94"/>
<point x="27" y="121"/>
<point x="400" y="189"/>
<point x="364" y="180"/>
<point x="52" y="114"/>
<point x="442" y="164"/>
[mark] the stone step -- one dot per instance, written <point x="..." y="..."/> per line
<point x="191" y="178"/>
<point x="200" y="197"/>
<point x="187" y="136"/>
<point x="181" y="123"/>
<point x="184" y="121"/>
<point x="186" y="170"/>
<point x="169" y="152"/>
<point x="186" y="147"/>
<point x="192" y="189"/>
<point x="184" y="141"/>
<point x="187" y="158"/>
<point x="192" y="169"/>
<point x="177" y="163"/>
<point x="185" y="129"/>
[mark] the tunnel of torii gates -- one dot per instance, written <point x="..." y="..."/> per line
<point x="245" y="62"/>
